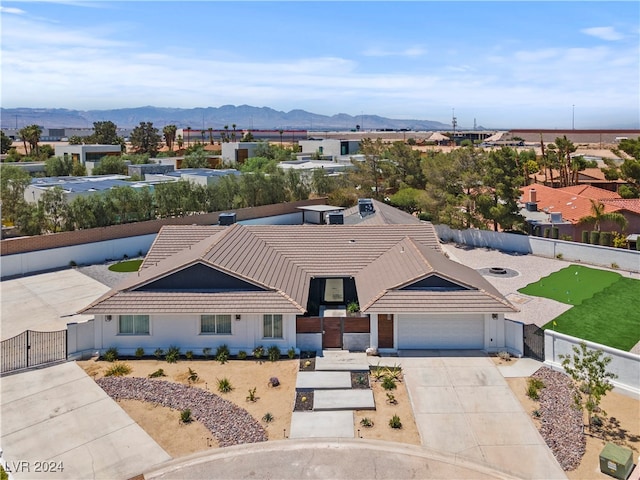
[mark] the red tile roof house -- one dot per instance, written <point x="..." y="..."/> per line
<point x="246" y="286"/>
<point x="574" y="203"/>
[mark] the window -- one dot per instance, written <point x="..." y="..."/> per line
<point x="215" y="324"/>
<point x="133" y="324"/>
<point x="272" y="326"/>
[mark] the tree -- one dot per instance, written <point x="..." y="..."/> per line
<point x="367" y="173"/>
<point x="196" y="159"/>
<point x="588" y="370"/>
<point x="110" y="165"/>
<point x="598" y="215"/>
<point x="408" y="199"/>
<point x="105" y="133"/>
<point x="169" y="133"/>
<point x="30" y="135"/>
<point x="58" y="167"/>
<point x="55" y="209"/>
<point x="13" y="182"/>
<point x="145" y="138"/>
<point x="5" y="143"/>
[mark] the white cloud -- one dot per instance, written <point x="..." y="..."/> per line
<point x="12" y="10"/>
<point x="603" y="33"/>
<point x="415" y="51"/>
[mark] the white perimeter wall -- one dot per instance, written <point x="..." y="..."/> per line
<point x="625" y="365"/>
<point x="514" y="338"/>
<point x="628" y="260"/>
<point x="184" y="331"/>
<point x="80" y="340"/>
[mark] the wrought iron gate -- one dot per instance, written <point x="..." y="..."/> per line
<point x="32" y="348"/>
<point x="533" y="342"/>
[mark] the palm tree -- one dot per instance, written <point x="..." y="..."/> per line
<point x="210" y="130"/>
<point x="598" y="215"/>
<point x="188" y="130"/>
<point x="233" y="134"/>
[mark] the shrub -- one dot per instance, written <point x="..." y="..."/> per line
<point x="585" y="236"/>
<point x="504" y="355"/>
<point x="291" y="353"/>
<point x="547" y="232"/>
<point x="173" y="354"/>
<point x="353" y="307"/>
<point x="139" y="352"/>
<point x="242" y="355"/>
<point x="118" y="369"/>
<point x="273" y="353"/>
<point x="267" y="417"/>
<point x="594" y="238"/>
<point x="388" y="383"/>
<point x="185" y="416"/>
<point x="158" y="353"/>
<point x="258" y="352"/>
<point x="189" y="354"/>
<point x="533" y="388"/>
<point x="206" y="352"/>
<point x="555" y="233"/>
<point x="366" y="422"/>
<point x="222" y="354"/>
<point x="361" y="380"/>
<point x="395" y="422"/>
<point x="615" y="266"/>
<point x="536" y="413"/>
<point x="158" y="373"/>
<point x="391" y="399"/>
<point x="111" y="355"/>
<point x="193" y="376"/>
<point x="73" y="264"/>
<point x="274" y="382"/>
<point x="559" y="256"/>
<point x="605" y="239"/>
<point x="224" y="385"/>
<point x="378" y="373"/>
<point x="252" y="395"/>
<point x="394" y="372"/>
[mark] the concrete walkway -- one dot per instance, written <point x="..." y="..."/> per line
<point x="60" y="414"/>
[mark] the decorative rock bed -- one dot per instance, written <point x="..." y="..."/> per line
<point x="229" y="424"/>
<point x="561" y="423"/>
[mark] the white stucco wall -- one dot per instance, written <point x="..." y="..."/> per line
<point x="514" y="338"/>
<point x="184" y="331"/>
<point x="80" y="339"/>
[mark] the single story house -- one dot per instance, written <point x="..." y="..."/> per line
<point x="290" y="286"/>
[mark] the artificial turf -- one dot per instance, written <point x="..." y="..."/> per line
<point x="610" y="317"/>
<point x="572" y="285"/>
<point x="127" y="266"/>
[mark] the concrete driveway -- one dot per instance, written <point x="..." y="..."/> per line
<point x="463" y="406"/>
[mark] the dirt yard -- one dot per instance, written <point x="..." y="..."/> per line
<point x="179" y="439"/>
<point x="622" y="427"/>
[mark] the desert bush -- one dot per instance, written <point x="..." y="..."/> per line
<point x="185" y="416"/>
<point x="188" y="354"/>
<point x="139" y="352"/>
<point x="273" y="353"/>
<point x="157" y="373"/>
<point x="222" y="354"/>
<point x="242" y="355"/>
<point x="504" y="355"/>
<point x="252" y="395"/>
<point x="158" y="353"/>
<point x="118" y="369"/>
<point x="534" y="385"/>
<point x="258" y="352"/>
<point x="388" y="383"/>
<point x="366" y="422"/>
<point x="173" y="354"/>
<point x="224" y="385"/>
<point x="291" y="353"/>
<point x="111" y="355"/>
<point x="206" y="352"/>
<point x="395" y="422"/>
<point x="193" y="376"/>
<point x="267" y="417"/>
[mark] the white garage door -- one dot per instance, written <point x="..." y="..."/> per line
<point x="420" y="331"/>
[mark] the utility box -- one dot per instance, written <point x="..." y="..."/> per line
<point x="616" y="461"/>
<point x="227" y="219"/>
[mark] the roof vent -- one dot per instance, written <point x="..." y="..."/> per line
<point x="556" y="217"/>
<point x="335" y="218"/>
<point x="226" y="219"/>
<point x="365" y="207"/>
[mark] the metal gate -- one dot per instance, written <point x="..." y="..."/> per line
<point x="533" y="342"/>
<point x="32" y="348"/>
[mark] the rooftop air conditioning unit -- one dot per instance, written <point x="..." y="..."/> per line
<point x="365" y="207"/>
<point x="335" y="218"/>
<point x="556" y="217"/>
<point x="227" y="219"/>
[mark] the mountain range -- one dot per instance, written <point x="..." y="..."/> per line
<point x="245" y="117"/>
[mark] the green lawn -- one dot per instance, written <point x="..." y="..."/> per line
<point x="125" y="267"/>
<point x="572" y="285"/>
<point x="610" y="317"/>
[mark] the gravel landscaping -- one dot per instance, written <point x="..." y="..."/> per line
<point x="229" y="424"/>
<point x="561" y="423"/>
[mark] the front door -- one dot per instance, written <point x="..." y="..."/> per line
<point x="332" y="332"/>
<point x="385" y="330"/>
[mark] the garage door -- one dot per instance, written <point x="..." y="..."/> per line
<point x="419" y="331"/>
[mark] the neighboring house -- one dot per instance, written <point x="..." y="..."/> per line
<point x="588" y="177"/>
<point x="329" y="147"/>
<point x="236" y="153"/>
<point x="87" y="155"/>
<point x="74" y="186"/>
<point x="545" y="207"/>
<point x="245" y="286"/>
<point x="200" y="176"/>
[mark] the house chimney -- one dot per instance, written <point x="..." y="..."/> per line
<point x="533" y="198"/>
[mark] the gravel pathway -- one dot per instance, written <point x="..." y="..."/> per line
<point x="562" y="423"/>
<point x="102" y="274"/>
<point x="229" y="424"/>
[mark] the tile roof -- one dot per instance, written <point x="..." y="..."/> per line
<point x="384" y="215"/>
<point x="590" y="192"/>
<point x="281" y="260"/>
<point x="630" y="204"/>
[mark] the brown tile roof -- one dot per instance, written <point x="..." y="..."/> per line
<point x="460" y="301"/>
<point x="282" y="260"/>
<point x="630" y="204"/>
<point x="384" y="215"/>
<point x="590" y="192"/>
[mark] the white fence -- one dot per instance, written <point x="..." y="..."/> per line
<point x="628" y="260"/>
<point x="625" y="365"/>
<point x="80" y="340"/>
<point x="514" y="337"/>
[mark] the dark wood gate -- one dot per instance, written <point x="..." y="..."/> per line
<point x="533" y="342"/>
<point x="32" y="348"/>
<point x="332" y="332"/>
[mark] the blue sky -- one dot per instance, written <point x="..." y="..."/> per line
<point x="507" y="64"/>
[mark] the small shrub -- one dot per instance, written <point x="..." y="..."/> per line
<point x="274" y="382"/>
<point x="173" y="354"/>
<point x="158" y="353"/>
<point x="361" y="380"/>
<point x="394" y="372"/>
<point x="111" y="355"/>
<point x="596" y="421"/>
<point x="118" y="369"/>
<point x="395" y="422"/>
<point x="222" y="354"/>
<point x="366" y="422"/>
<point x="158" y="373"/>
<point x="533" y="388"/>
<point x="547" y="233"/>
<point x="224" y="385"/>
<point x="391" y="399"/>
<point x="594" y="237"/>
<point x="73" y="264"/>
<point x="555" y="233"/>
<point x="206" y="352"/>
<point x="615" y="266"/>
<point x="258" y="352"/>
<point x="504" y="355"/>
<point x="139" y="352"/>
<point x="273" y="353"/>
<point x="559" y="256"/>
<point x="377" y="373"/>
<point x="252" y="395"/>
<point x="267" y="417"/>
<point x="193" y="376"/>
<point x="291" y="353"/>
<point x="388" y="383"/>
<point x="353" y="307"/>
<point x="585" y="236"/>
<point x="242" y="355"/>
<point x="536" y="413"/>
<point x="185" y="416"/>
<point x="189" y="354"/>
